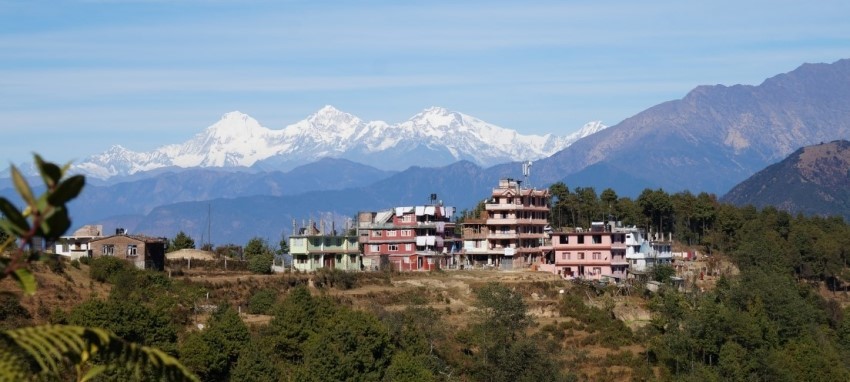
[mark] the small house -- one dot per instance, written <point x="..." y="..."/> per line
<point x="144" y="252"/>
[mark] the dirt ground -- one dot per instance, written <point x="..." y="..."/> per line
<point x="449" y="292"/>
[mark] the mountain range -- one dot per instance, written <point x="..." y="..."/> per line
<point x="716" y="136"/>
<point x="710" y="140"/>
<point x="434" y="137"/>
<point x="814" y="180"/>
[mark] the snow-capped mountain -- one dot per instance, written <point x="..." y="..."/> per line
<point x="435" y="136"/>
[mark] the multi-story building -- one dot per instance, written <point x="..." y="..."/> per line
<point x="77" y="245"/>
<point x="517" y="224"/>
<point x="408" y="238"/>
<point x="476" y="248"/>
<point x="311" y="250"/>
<point x="643" y="254"/>
<point x="592" y="254"/>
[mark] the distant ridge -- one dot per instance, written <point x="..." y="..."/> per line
<point x="814" y="180"/>
<point x="717" y="136"/>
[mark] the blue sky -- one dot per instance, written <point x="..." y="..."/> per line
<point x="77" y="77"/>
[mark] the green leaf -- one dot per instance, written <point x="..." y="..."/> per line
<point x="93" y="372"/>
<point x="18" y="225"/>
<point x="67" y="190"/>
<point x="22" y="186"/>
<point x="54" y="225"/>
<point x="50" y="172"/>
<point x="25" y="279"/>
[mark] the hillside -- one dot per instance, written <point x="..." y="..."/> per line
<point x="717" y="136"/>
<point x="814" y="180"/>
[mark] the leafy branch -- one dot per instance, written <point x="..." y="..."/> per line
<point x="44" y="352"/>
<point x="45" y="216"/>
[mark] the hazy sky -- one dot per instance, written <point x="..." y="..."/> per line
<point x="77" y="77"/>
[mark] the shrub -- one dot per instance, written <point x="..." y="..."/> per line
<point x="75" y="263"/>
<point x="262" y="301"/>
<point x="106" y="268"/>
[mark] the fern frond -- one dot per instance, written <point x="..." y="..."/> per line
<point x="43" y="351"/>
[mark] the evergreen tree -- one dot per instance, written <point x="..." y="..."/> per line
<point x="181" y="241"/>
<point x="260" y="257"/>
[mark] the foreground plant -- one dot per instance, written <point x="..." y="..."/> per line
<point x="47" y="352"/>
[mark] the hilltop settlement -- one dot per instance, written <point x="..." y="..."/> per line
<point x="511" y="232"/>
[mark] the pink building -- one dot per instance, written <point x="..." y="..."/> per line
<point x="516" y="222"/>
<point x="591" y="254"/>
<point x="408" y="238"/>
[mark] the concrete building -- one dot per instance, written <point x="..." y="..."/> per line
<point x="517" y="225"/>
<point x="143" y="251"/>
<point x="597" y="253"/>
<point x="311" y="250"/>
<point x="417" y="238"/>
<point x="644" y="253"/>
<point x="77" y="245"/>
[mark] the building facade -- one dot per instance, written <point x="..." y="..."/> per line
<point x="312" y="250"/>
<point x="597" y="253"/>
<point x="77" y="245"/>
<point x="142" y="251"/>
<point x="644" y="253"/>
<point x="418" y="238"/>
<point x="517" y="221"/>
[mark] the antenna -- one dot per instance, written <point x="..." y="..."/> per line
<point x="526" y="171"/>
<point x="209" y="224"/>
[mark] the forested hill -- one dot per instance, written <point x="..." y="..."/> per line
<point x="814" y="180"/>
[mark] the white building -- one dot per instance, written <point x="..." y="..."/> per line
<point x="77" y="245"/>
<point x="642" y="253"/>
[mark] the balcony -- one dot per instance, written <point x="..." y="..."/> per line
<point x="619" y="260"/>
<point x="621" y="246"/>
<point x="502" y="235"/>
<point x="474" y="235"/>
<point x="533" y="249"/>
<point x="503" y="221"/>
<point x="513" y="207"/>
<point x="533" y="235"/>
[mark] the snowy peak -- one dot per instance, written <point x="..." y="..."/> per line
<point x="236" y="124"/>
<point x="329" y="116"/>
<point x="435" y="136"/>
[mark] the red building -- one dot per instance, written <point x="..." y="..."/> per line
<point x="418" y="238"/>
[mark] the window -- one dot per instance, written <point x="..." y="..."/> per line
<point x="408" y="247"/>
<point x="376" y="233"/>
<point x="391" y="233"/>
<point x="66" y="247"/>
<point x="580" y="239"/>
<point x="393" y="247"/>
<point x="131" y="250"/>
<point x="406" y="232"/>
<point x="597" y="270"/>
<point x="407" y="218"/>
<point x="597" y="239"/>
<point x="597" y="256"/>
<point x="108" y="250"/>
<point x="581" y="255"/>
<point x="374" y="248"/>
<point x="302" y="259"/>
